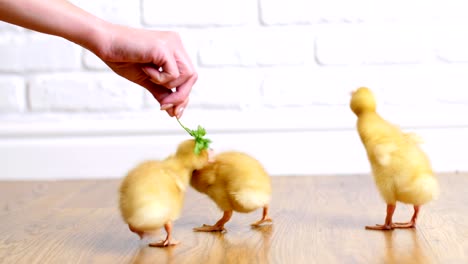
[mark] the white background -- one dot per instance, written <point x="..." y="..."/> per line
<point x="274" y="81"/>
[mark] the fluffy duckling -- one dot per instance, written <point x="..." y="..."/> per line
<point x="401" y="170"/>
<point x="237" y="182"/>
<point x="152" y="194"/>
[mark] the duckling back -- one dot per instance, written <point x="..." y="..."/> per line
<point x="149" y="196"/>
<point x="246" y="184"/>
<point x="402" y="171"/>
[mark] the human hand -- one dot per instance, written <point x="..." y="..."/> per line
<point x="135" y="54"/>
<point x="139" y="54"/>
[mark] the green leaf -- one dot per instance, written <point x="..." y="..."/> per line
<point x="201" y="143"/>
<point x="201" y="131"/>
<point x="197" y="149"/>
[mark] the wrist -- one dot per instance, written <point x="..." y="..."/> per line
<point x="94" y="37"/>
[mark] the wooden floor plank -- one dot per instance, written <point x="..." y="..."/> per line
<point x="317" y="219"/>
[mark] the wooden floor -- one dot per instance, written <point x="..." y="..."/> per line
<point x="316" y="220"/>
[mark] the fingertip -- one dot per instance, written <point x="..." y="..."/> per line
<point x="170" y="112"/>
<point x="166" y="106"/>
<point x="179" y="111"/>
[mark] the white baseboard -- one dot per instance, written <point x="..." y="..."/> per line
<point x="282" y="153"/>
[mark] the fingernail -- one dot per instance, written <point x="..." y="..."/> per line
<point x="179" y="112"/>
<point x="166" y="106"/>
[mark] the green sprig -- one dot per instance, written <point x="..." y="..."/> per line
<point x="201" y="143"/>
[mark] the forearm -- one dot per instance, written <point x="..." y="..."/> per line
<point x="55" y="17"/>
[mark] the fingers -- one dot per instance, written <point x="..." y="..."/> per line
<point x="172" y="102"/>
<point x="177" y="68"/>
<point x="179" y="110"/>
<point x="179" y="73"/>
<point x="181" y="93"/>
<point x="160" y="94"/>
<point x="177" y="100"/>
<point x="165" y="77"/>
<point x="171" y="78"/>
<point x="185" y="77"/>
<point x="188" y="76"/>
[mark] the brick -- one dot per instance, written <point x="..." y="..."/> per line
<point x="448" y="84"/>
<point x="83" y="92"/>
<point x="302" y="86"/>
<point x="199" y="13"/>
<point x="410" y="95"/>
<point x="328" y="86"/>
<point x="258" y="47"/>
<point x="12" y="94"/>
<point x="122" y="12"/>
<point x="231" y="47"/>
<point x="37" y="52"/>
<point x="450" y="45"/>
<point x="424" y="95"/>
<point x="273" y="12"/>
<point x="191" y="41"/>
<point x="279" y="12"/>
<point x="449" y="10"/>
<point x="374" y="44"/>
<point x="423" y="85"/>
<point x="233" y="88"/>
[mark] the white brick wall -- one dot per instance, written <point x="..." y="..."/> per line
<point x="199" y="13"/>
<point x="374" y="44"/>
<point x="273" y="75"/>
<point x="83" y="92"/>
<point x="12" y="94"/>
<point x="278" y="12"/>
<point x="117" y="11"/>
<point x="253" y="46"/>
<point x="22" y="52"/>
